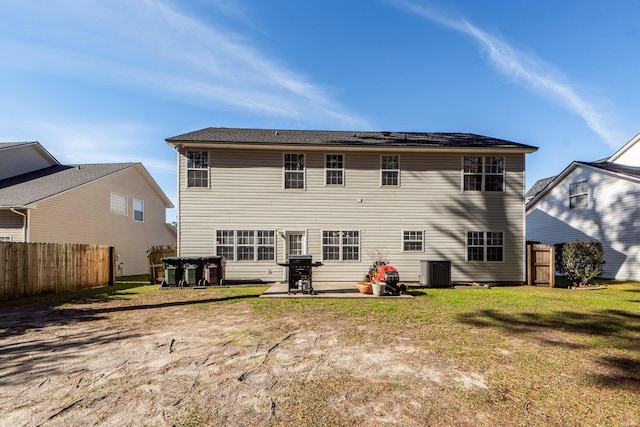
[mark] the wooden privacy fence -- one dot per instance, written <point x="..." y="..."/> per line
<point x="28" y="269"/>
<point x="154" y="257"/>
<point x="541" y="269"/>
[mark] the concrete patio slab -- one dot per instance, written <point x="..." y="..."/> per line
<point x="324" y="290"/>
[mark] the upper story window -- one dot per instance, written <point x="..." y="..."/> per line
<point x="294" y="170"/>
<point x="341" y="245"/>
<point x="579" y="194"/>
<point x="412" y="241"/>
<point x="483" y="173"/>
<point x="334" y="169"/>
<point x="485" y="246"/>
<point x="119" y="204"/>
<point x="389" y="170"/>
<point x="197" y="169"/>
<point x="138" y="210"/>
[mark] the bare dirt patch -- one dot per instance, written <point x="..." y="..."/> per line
<point x="191" y="358"/>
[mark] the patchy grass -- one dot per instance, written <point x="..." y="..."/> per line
<point x="499" y="356"/>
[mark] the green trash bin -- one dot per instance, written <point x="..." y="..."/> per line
<point x="172" y="271"/>
<point x="192" y="270"/>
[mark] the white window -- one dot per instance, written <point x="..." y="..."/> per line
<point x="389" y="170"/>
<point x="197" y="169"/>
<point x="5" y="238"/>
<point x="138" y="210"/>
<point x="485" y="246"/>
<point x="579" y="195"/>
<point x="341" y="245"/>
<point x="294" y="170"/>
<point x="413" y="241"/>
<point x="334" y="169"/>
<point x="119" y="204"/>
<point x="246" y="245"/>
<point x="483" y="173"/>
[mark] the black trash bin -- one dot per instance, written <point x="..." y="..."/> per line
<point x="173" y="271"/>
<point x="192" y="270"/>
<point x="213" y="271"/>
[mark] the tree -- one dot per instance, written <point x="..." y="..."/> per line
<point x="582" y="261"/>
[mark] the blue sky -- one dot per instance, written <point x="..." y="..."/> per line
<point x="109" y="80"/>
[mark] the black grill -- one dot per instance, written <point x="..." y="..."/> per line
<point x="300" y="273"/>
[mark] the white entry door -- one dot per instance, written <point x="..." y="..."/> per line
<point x="296" y="245"/>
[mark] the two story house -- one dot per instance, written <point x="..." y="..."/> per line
<point x="116" y="204"/>
<point x="597" y="200"/>
<point x="256" y="196"/>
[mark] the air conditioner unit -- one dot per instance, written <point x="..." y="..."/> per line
<point x="435" y="274"/>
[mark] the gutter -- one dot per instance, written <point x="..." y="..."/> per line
<point x="24" y="222"/>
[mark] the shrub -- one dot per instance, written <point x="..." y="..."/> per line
<point x="581" y="261"/>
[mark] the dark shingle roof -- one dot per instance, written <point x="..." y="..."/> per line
<point x="320" y="137"/>
<point x="538" y="187"/>
<point x="31" y="187"/>
<point x="633" y="171"/>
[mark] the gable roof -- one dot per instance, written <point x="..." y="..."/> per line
<point x="538" y="186"/>
<point x="31" y="187"/>
<point x="270" y="137"/>
<point x="618" y="169"/>
<point x="629" y="146"/>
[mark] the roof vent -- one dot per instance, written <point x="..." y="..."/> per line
<point x="276" y="132"/>
<point x="385" y="133"/>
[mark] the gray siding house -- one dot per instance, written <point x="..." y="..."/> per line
<point x="116" y="204"/>
<point x="593" y="201"/>
<point x="257" y="196"/>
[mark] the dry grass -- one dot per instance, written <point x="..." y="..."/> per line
<point x="133" y="354"/>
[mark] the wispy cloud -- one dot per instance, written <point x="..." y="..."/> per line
<point x="526" y="68"/>
<point x="154" y="46"/>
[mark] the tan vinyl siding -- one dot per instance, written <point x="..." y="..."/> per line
<point x="11" y="226"/>
<point x="82" y="215"/>
<point x="247" y="192"/>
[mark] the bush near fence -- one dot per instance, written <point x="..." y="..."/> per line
<point x="28" y="269"/>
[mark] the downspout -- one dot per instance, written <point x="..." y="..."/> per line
<point x="24" y="223"/>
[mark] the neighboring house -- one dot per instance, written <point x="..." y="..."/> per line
<point x="594" y="201"/>
<point x="116" y="204"/>
<point x="256" y="196"/>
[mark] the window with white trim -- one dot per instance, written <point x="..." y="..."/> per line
<point x="119" y="204"/>
<point x="579" y="194"/>
<point x="485" y="246"/>
<point x="294" y="170"/>
<point x="5" y="238"/>
<point x="341" y="245"/>
<point x="138" y="210"/>
<point x="389" y="170"/>
<point x="334" y="169"/>
<point x="483" y="173"/>
<point x="246" y="245"/>
<point x="413" y="241"/>
<point x="198" y="169"/>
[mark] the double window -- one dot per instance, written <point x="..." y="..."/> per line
<point x="412" y="241"/>
<point x="483" y="173"/>
<point x="5" y="238"/>
<point x="485" y="246"/>
<point x="294" y="170"/>
<point x="341" y="245"/>
<point x="197" y="169"/>
<point x="579" y="195"/>
<point x="389" y="170"/>
<point x="334" y="169"/>
<point x="246" y="245"/>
